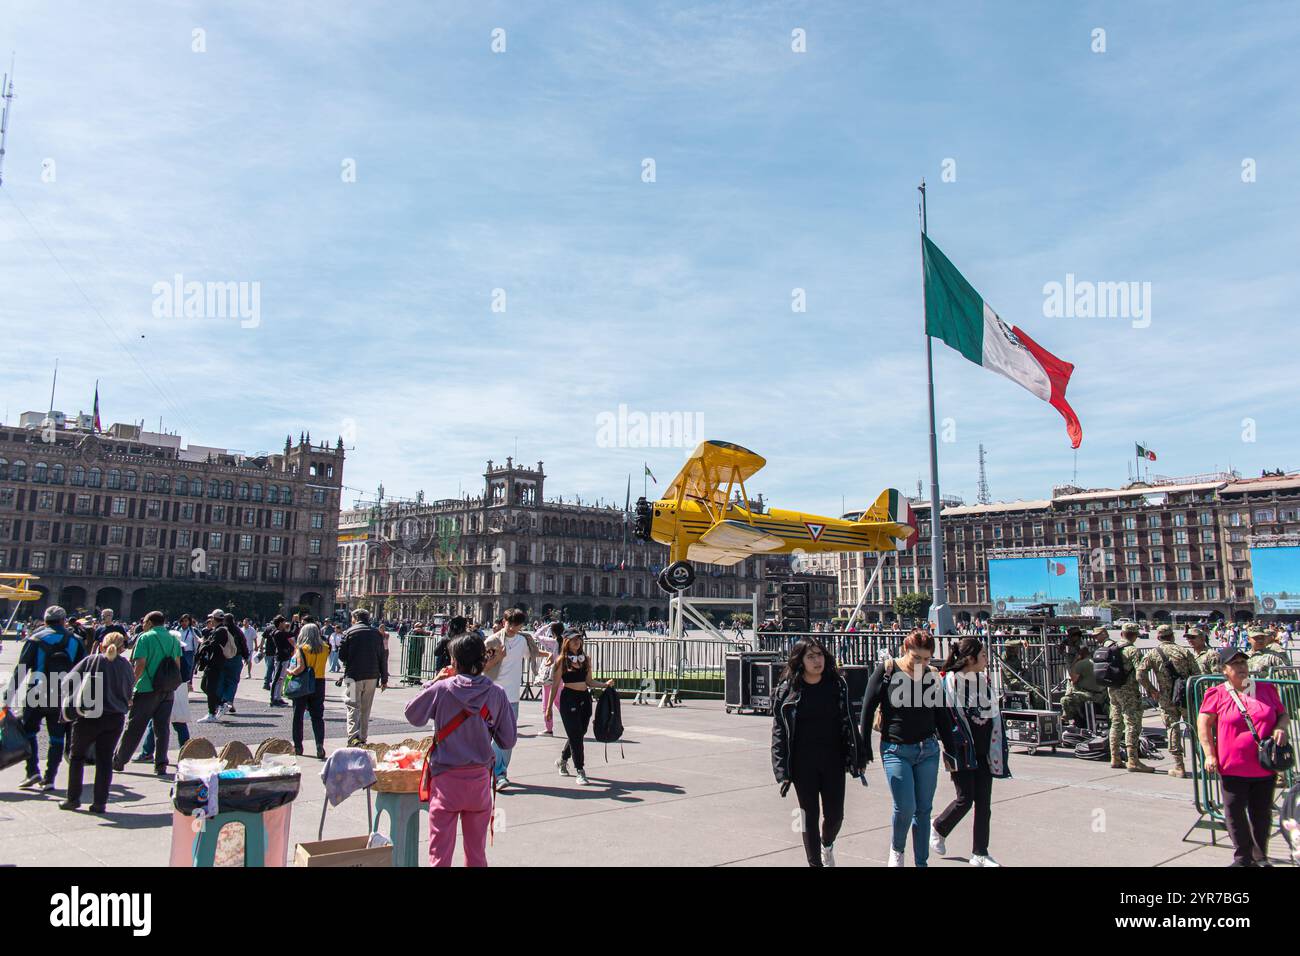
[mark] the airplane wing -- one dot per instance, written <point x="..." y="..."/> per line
<point x="737" y="536"/>
<point x="707" y="555"/>
<point x="712" y="467"/>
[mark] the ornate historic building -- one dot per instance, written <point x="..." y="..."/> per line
<point x="1160" y="550"/>
<point x="101" y="518"/>
<point x="510" y="547"/>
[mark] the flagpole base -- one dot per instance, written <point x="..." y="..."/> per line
<point x="941" y="619"/>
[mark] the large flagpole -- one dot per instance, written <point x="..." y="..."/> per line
<point x="940" y="612"/>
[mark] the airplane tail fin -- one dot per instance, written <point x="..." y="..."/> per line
<point x="891" y="517"/>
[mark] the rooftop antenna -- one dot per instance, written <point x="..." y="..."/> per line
<point x="983" y="496"/>
<point x="7" y="96"/>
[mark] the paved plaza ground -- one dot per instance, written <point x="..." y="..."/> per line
<point x="694" y="788"/>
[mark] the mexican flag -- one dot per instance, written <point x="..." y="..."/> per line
<point x="955" y="313"/>
<point x="1146" y="453"/>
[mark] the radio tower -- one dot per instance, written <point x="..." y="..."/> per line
<point x="7" y="99"/>
<point x="983" y="496"/>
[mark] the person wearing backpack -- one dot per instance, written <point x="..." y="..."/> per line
<point x="47" y="656"/>
<point x="815" y="742"/>
<point x="572" y="682"/>
<point x="1116" y="665"/>
<point x="156" y="659"/>
<point x="219" y="650"/>
<point x="470" y="713"/>
<point x="1172" y="665"/>
<point x="97" y="718"/>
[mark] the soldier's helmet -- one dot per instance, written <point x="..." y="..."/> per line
<point x="1194" y="632"/>
<point x="1130" y="630"/>
<point x="1164" y="633"/>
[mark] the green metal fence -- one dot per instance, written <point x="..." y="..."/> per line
<point x="1208" y="788"/>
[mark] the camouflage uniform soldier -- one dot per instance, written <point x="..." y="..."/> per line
<point x="1160" y="659"/>
<point x="1126" y="707"/>
<point x="1084" y="688"/>
<point x="1262" y="658"/>
<point x="1206" y="656"/>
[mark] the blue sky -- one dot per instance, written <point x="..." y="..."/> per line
<point x="774" y="170"/>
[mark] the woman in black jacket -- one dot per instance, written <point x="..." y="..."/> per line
<point x="815" y="742"/>
<point x="908" y="693"/>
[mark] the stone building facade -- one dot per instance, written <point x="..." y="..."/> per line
<point x="1163" y="550"/>
<point x="102" y="517"/>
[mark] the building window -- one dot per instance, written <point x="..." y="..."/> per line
<point x="214" y="540"/>
<point x="151" y="537"/>
<point x="214" y="488"/>
<point x="180" y="566"/>
<point x="76" y="562"/>
<point x="245" y="542"/>
<point x="257" y="492"/>
<point x="19" y="472"/>
<point x="37" y="561"/>
<point x="219" y="514"/>
<point x="113" y="564"/>
<point x="313" y="546"/>
<point x="45" y="501"/>
<point x="187" y="511"/>
<point x="245" y="569"/>
<point x="131" y="480"/>
<point x="183" y="538"/>
<point x="153" y="508"/>
<point x="275" y="544"/>
<point x="273" y="571"/>
<point x="114" y="478"/>
<point x="317" y="521"/>
<point x="119" y="506"/>
<point x="318" y="496"/>
<point x="40" y="472"/>
<point x="148" y="564"/>
<point x="277" y="519"/>
<point x="116" y="534"/>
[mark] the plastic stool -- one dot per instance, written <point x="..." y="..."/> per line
<point x="205" y="844"/>
<point x="404" y="825"/>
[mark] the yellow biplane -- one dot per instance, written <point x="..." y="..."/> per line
<point x="700" y="520"/>
<point x="13" y="586"/>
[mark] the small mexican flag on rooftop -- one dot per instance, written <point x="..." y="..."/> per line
<point x="1147" y="453"/>
<point x="957" y="314"/>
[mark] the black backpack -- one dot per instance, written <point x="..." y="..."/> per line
<point x="167" y="675"/>
<point x="1108" y="665"/>
<point x="608" y="724"/>
<point x="1094" y="748"/>
<point x="1177" y="682"/>
<point x="57" y="660"/>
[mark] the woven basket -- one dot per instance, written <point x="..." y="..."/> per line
<point x="401" y="781"/>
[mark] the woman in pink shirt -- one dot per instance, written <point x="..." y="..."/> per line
<point x="1232" y="751"/>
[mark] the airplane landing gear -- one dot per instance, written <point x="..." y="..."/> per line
<point x="678" y="576"/>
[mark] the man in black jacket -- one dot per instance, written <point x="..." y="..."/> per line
<point x="364" y="653"/>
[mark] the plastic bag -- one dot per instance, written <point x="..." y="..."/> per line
<point x="14" y="745"/>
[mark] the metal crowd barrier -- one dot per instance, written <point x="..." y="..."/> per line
<point x="1208" y="790"/>
<point x="642" y="666"/>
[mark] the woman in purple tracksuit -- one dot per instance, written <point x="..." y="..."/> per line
<point x="460" y="766"/>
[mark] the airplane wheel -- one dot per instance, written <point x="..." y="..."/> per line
<point x="664" y="585"/>
<point x="679" y="575"/>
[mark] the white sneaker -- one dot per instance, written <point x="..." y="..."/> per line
<point x="209" y="719"/>
<point x="985" y="860"/>
<point x="502" y="782"/>
<point x="937" y="844"/>
<point x="582" y="780"/>
<point x="563" y="766"/>
<point x="895" y="857"/>
<point x="828" y="855"/>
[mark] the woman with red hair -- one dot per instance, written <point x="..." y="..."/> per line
<point x="908" y="695"/>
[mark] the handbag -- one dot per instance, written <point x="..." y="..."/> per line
<point x="301" y="685"/>
<point x="877" y="722"/>
<point x="1272" y="755"/>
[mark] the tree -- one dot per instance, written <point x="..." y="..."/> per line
<point x="392" y="608"/>
<point x="743" y="618"/>
<point x="425" y="608"/>
<point x="913" y="605"/>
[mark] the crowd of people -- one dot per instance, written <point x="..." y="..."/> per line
<point x="926" y="714"/>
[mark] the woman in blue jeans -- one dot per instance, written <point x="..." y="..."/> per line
<point x="908" y="694"/>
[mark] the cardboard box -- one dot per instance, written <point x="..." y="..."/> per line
<point x="349" y="851"/>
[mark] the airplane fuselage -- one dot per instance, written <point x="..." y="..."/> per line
<point x="799" y="530"/>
